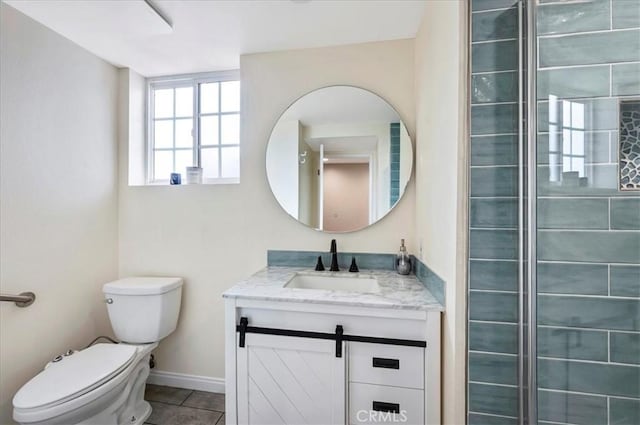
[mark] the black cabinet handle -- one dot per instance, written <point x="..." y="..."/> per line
<point x="382" y="406"/>
<point x="339" y="336"/>
<point x="244" y="322"/>
<point x="386" y="363"/>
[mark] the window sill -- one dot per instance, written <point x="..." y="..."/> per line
<point x="206" y="182"/>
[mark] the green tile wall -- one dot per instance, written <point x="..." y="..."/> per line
<point x="589" y="233"/>
<point x="493" y="220"/>
<point x="394" y="163"/>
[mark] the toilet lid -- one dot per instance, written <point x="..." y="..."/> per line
<point x="74" y="375"/>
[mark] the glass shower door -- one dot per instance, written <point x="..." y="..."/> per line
<point x="587" y="251"/>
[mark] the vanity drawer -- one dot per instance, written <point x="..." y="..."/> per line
<point x="380" y="404"/>
<point x="395" y="365"/>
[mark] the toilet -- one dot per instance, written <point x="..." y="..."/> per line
<point x="104" y="383"/>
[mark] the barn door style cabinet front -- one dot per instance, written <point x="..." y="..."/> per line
<point x="293" y="363"/>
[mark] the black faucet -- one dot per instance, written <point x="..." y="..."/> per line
<point x="334" y="257"/>
<point x="319" y="265"/>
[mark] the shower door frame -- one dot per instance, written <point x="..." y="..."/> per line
<point x="527" y="191"/>
<point x="528" y="248"/>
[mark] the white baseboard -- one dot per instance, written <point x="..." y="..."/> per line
<point x="190" y="382"/>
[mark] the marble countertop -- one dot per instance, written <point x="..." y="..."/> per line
<point x="396" y="291"/>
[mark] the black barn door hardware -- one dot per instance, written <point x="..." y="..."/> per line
<point x="243" y="328"/>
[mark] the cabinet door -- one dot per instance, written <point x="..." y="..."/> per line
<point x="290" y="380"/>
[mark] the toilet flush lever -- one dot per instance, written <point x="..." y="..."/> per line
<point x="109" y="301"/>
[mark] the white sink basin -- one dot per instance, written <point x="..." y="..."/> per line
<point x="334" y="283"/>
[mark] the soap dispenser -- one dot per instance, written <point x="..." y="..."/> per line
<point x="403" y="261"/>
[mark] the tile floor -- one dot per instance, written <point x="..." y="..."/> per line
<point x="177" y="406"/>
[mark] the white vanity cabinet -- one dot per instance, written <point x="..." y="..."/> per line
<point x="291" y="364"/>
<point x="288" y="380"/>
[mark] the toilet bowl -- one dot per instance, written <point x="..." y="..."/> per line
<point x="104" y="383"/>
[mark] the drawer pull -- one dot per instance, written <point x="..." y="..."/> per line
<point x="381" y="406"/>
<point x="386" y="363"/>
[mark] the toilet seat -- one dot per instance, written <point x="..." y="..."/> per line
<point x="93" y="395"/>
<point x="74" y="375"/>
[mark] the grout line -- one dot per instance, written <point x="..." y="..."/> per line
<point x="506" y="71"/>
<point x="490" y="322"/>
<point x="582" y="33"/>
<point x="586" y="329"/>
<point x="610" y="80"/>
<point x="495" y="322"/>
<point x="491" y="414"/>
<point x="506" y="260"/>
<point x="493" y="103"/>
<point x="602" y="297"/>
<point x="497" y="40"/>
<point x="608" y="346"/>
<point x="493" y="134"/>
<point x="498" y="71"/>
<point x="500" y="9"/>
<point x="494" y="166"/>
<point x="586" y="65"/>
<point x="582" y="262"/>
<point x="494" y="353"/>
<point x="473" y="104"/>
<point x="565" y="359"/>
<point x="553" y="390"/>
<point x="569" y="230"/>
<point x="493" y="291"/>
<point x="608" y="410"/>
<point x="611" y="14"/>
<point x="493" y="384"/>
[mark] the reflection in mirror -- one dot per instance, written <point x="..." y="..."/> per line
<point x="339" y="159"/>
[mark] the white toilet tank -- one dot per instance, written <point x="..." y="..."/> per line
<point x="143" y="309"/>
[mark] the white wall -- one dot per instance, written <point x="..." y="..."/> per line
<point x="282" y="163"/>
<point x="440" y="52"/>
<point x="58" y="203"/>
<point x="215" y="235"/>
<point x="309" y="182"/>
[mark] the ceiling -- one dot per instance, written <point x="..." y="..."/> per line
<point x="211" y="35"/>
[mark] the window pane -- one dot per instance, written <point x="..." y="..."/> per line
<point x="230" y="96"/>
<point x="184" y="159"/>
<point x="184" y="102"/>
<point x="163" y="134"/>
<point x="231" y="162"/>
<point x="208" y="98"/>
<point x="209" y="160"/>
<point x="163" y="103"/>
<point x="230" y="129"/>
<point x="577" y="115"/>
<point x="162" y="165"/>
<point x="209" y="130"/>
<point x="184" y="137"/>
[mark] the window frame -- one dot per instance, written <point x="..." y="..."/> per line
<point x="193" y="81"/>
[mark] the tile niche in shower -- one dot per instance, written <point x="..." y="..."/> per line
<point x="629" y="145"/>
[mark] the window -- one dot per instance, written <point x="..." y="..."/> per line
<point x="194" y="121"/>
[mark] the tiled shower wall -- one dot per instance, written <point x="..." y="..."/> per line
<point x="589" y="232"/>
<point x="394" y="155"/>
<point x="493" y="266"/>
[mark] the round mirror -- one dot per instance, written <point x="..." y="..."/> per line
<point x="339" y="159"/>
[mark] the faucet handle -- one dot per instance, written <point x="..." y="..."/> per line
<point x="354" y="267"/>
<point x="319" y="265"/>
